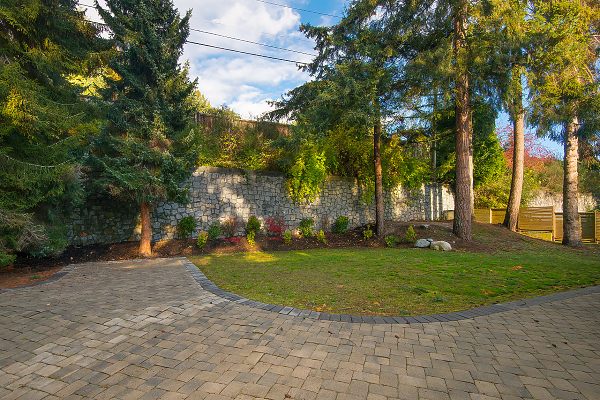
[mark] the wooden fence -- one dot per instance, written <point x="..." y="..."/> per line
<point x="541" y="222"/>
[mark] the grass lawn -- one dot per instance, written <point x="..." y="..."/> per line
<point x="398" y="281"/>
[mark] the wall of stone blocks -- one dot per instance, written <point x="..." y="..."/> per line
<point x="220" y="193"/>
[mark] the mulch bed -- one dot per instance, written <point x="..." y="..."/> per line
<point x="25" y="267"/>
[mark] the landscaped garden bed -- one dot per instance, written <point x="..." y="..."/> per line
<point x="352" y="275"/>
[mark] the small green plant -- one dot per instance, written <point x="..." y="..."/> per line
<point x="187" y="226"/>
<point x="202" y="238"/>
<point x="341" y="224"/>
<point x="250" y="237"/>
<point x="34" y="277"/>
<point x="439" y="299"/>
<point x="307" y="226"/>
<point x="368" y="232"/>
<point x="287" y="237"/>
<point x="321" y="236"/>
<point x="391" y="240"/>
<point x="410" y="234"/>
<point x="214" y="230"/>
<point x="253" y="224"/>
<point x="230" y="226"/>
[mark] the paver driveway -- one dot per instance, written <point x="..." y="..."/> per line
<point x="146" y="329"/>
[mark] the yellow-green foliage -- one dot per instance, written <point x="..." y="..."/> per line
<point x="306" y="176"/>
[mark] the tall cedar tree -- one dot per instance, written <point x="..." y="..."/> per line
<point x="42" y="116"/>
<point x="353" y="74"/>
<point x="564" y="87"/>
<point x="145" y="151"/>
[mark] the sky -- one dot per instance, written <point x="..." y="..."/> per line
<point x="246" y="83"/>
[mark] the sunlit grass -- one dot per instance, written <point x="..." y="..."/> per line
<point x="397" y="281"/>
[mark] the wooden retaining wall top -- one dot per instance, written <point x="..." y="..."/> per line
<point x="537" y="219"/>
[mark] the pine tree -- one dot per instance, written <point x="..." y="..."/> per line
<point x="145" y="151"/>
<point x="43" y="116"/>
<point x="564" y="87"/>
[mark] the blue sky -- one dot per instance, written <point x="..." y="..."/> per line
<point x="243" y="82"/>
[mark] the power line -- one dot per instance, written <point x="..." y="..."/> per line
<point x="254" y="30"/>
<point x="249" y="41"/>
<point x="245" y="52"/>
<point x="232" y="50"/>
<point x="299" y="9"/>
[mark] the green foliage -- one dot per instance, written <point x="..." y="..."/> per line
<point x="202" y="238"/>
<point x="341" y="224"/>
<point x="411" y="236"/>
<point x="230" y="227"/>
<point x="187" y="226"/>
<point x="145" y="149"/>
<point x="287" y="237"/>
<point x="232" y="143"/>
<point x="391" y="240"/>
<point x="368" y="233"/>
<point x="253" y="224"/>
<point x="214" y="230"/>
<point x="321" y="236"/>
<point x="307" y="226"/>
<point x="250" y="237"/>
<point x="306" y="176"/>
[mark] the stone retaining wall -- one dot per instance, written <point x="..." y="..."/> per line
<point x="220" y="193"/>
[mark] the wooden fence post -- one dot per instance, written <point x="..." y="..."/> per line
<point x="553" y="223"/>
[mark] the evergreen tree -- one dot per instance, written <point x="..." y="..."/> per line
<point x="145" y="151"/>
<point x="43" y="116"/>
<point x="564" y="87"/>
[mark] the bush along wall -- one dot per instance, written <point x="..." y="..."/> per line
<point x="221" y="193"/>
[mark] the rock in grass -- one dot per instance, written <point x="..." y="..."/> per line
<point x="441" y="246"/>
<point x="422" y="243"/>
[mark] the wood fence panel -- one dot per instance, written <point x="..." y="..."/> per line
<point x="498" y="215"/>
<point x="483" y="215"/>
<point x="536" y="219"/>
<point x="597" y="223"/>
<point x="558" y="236"/>
<point x="587" y="221"/>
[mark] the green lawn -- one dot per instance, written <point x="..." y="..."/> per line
<point x="398" y="281"/>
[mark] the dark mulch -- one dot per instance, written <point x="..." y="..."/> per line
<point x="487" y="239"/>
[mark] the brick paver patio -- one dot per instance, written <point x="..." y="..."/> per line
<point x="148" y="330"/>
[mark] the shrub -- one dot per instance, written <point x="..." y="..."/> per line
<point x="202" y="238"/>
<point x="214" y="230"/>
<point x="368" y="232"/>
<point x="307" y="226"/>
<point x="321" y="236"/>
<point x="250" y="238"/>
<point x="187" y="226"/>
<point x="276" y="226"/>
<point x="391" y="240"/>
<point x="230" y="226"/>
<point x="410" y="234"/>
<point x="253" y="224"/>
<point x="341" y="224"/>
<point x="287" y="237"/>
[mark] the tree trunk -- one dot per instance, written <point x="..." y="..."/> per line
<point x="464" y="184"/>
<point x="378" y="178"/>
<point x="145" y="249"/>
<point x="516" y="186"/>
<point x="571" y="228"/>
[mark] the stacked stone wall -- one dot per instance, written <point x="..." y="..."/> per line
<point x="586" y="201"/>
<point x="221" y="193"/>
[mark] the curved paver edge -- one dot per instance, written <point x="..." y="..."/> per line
<point x="52" y="278"/>
<point x="209" y="286"/>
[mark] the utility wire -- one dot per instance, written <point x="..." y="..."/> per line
<point x="299" y="9"/>
<point x="235" y="51"/>
<point x="249" y="41"/>
<point x="254" y="30"/>
<point x="245" y="52"/>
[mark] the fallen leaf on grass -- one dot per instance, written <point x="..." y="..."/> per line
<point x="516" y="268"/>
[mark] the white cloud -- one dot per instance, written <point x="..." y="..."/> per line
<point x="243" y="82"/>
